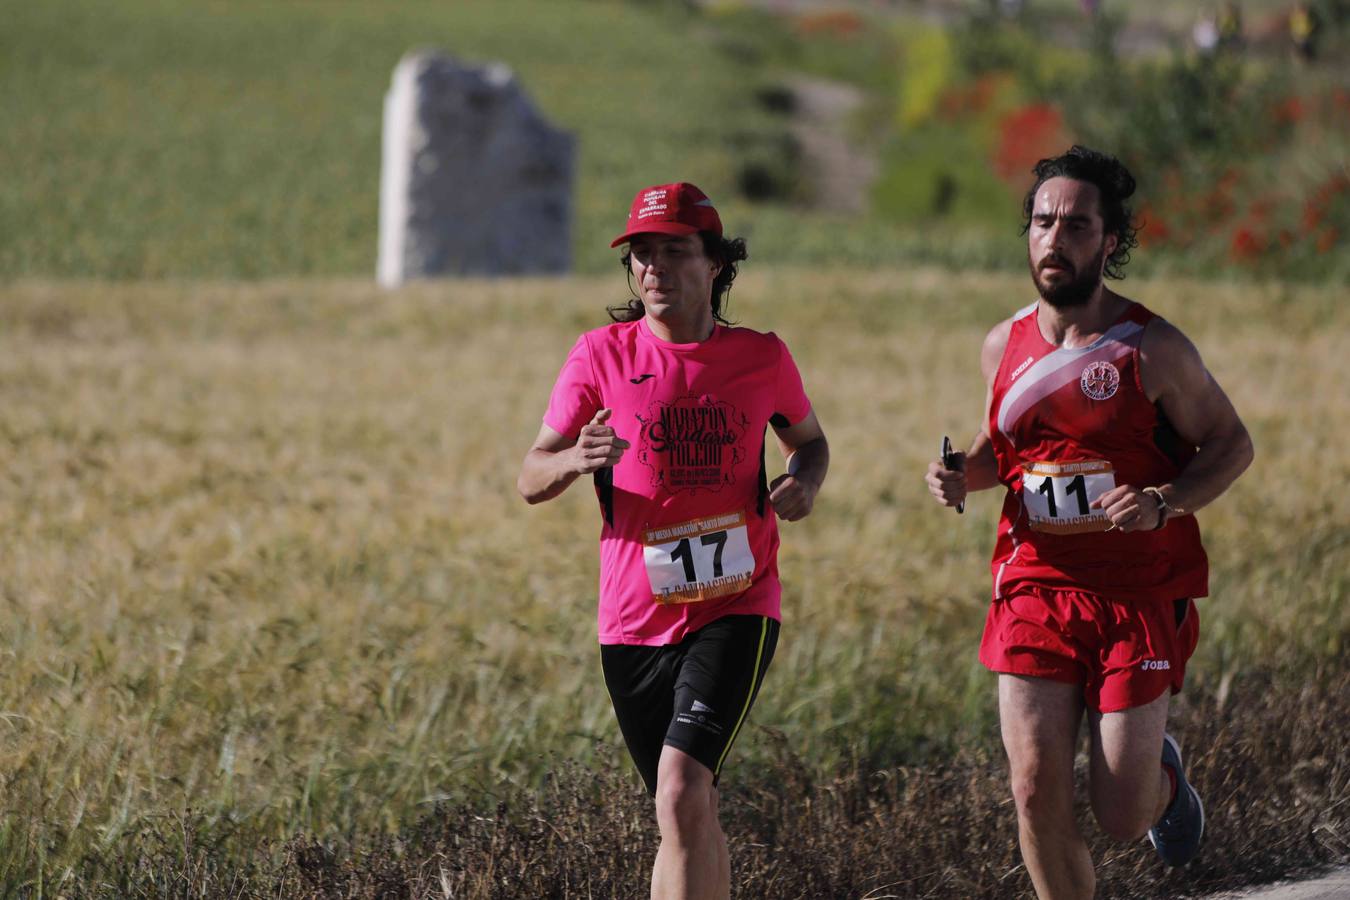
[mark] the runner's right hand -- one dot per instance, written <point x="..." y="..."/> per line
<point x="948" y="486"/>
<point x="598" y="447"/>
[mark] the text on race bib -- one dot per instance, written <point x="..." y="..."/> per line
<point x="699" y="559"/>
<point x="1058" y="496"/>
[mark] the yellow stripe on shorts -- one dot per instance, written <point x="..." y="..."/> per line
<point x="754" y="688"/>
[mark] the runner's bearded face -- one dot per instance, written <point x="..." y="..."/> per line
<point x="674" y="275"/>
<point x="1066" y="247"/>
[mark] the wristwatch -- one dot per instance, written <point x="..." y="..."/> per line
<point x="1164" y="510"/>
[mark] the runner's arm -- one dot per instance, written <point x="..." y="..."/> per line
<point x="808" y="458"/>
<point x="1175" y="377"/>
<point x="554" y="461"/>
<point x="981" y="464"/>
<point x="979" y="469"/>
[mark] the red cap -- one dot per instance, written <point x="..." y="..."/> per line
<point x="670" y="209"/>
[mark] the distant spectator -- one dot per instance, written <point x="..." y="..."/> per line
<point x="1011" y="9"/>
<point x="1090" y="7"/>
<point x="1229" y="26"/>
<point x="1304" y="27"/>
<point x="1205" y="35"/>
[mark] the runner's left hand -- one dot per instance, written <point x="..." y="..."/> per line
<point x="791" y="499"/>
<point x="1129" y="508"/>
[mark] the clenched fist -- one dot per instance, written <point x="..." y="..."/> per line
<point x="791" y="497"/>
<point x="1130" y="509"/>
<point x="598" y="446"/>
<point x="948" y="486"/>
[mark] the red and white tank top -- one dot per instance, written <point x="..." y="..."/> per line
<point x="1068" y="425"/>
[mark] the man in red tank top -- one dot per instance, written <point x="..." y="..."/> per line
<point x="1107" y="432"/>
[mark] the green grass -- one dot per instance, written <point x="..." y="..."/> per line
<point x="264" y="566"/>
<point x="205" y="139"/>
<point x="211" y="139"/>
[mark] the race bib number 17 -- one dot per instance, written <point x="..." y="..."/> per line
<point x="698" y="560"/>
<point x="1058" y="496"/>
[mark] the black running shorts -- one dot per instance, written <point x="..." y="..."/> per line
<point x="694" y="695"/>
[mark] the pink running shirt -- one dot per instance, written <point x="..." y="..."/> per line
<point x="689" y="535"/>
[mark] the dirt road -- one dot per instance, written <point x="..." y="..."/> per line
<point x="1335" y="886"/>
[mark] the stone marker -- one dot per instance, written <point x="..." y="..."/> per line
<point x="473" y="180"/>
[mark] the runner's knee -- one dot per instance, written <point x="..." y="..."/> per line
<point x="1043" y="799"/>
<point x="683" y="806"/>
<point x="1125" y="796"/>
<point x="1123" y="819"/>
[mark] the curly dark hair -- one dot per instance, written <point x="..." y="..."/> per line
<point x="725" y="251"/>
<point x="1115" y="184"/>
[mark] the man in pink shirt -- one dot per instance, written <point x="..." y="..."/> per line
<point x="668" y="410"/>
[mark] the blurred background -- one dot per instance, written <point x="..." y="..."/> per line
<point x="151" y="138"/>
<point x="273" y="619"/>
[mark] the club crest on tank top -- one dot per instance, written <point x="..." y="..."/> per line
<point x="1100" y="380"/>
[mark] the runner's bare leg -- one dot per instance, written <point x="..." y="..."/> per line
<point x="723" y="856"/>
<point x="1039" y="720"/>
<point x="1128" y="786"/>
<point x="691" y="863"/>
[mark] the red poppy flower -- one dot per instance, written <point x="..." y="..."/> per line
<point x="1247" y="245"/>
<point x="1026" y="136"/>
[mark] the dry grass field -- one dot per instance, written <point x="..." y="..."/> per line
<point x="275" y="618"/>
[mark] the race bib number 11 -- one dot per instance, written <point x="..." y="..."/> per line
<point x="1058" y="496"/>
<point x="699" y="560"/>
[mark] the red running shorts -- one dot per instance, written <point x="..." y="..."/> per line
<point x="1123" y="653"/>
